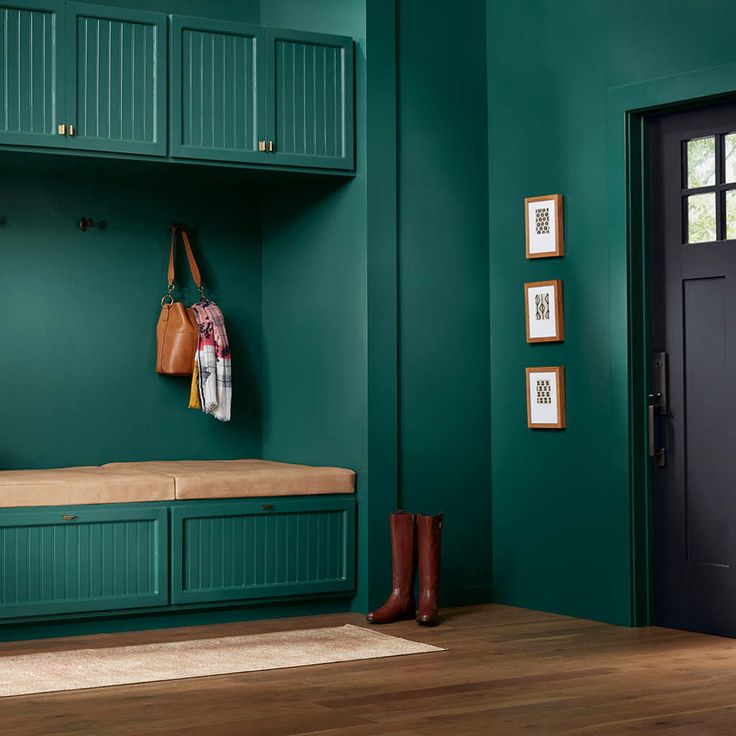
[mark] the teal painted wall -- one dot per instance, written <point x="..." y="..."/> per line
<point x="79" y="310"/>
<point x="443" y="284"/>
<point x="561" y="514"/>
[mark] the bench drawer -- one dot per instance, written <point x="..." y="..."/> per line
<point x="232" y="549"/>
<point x="82" y="559"/>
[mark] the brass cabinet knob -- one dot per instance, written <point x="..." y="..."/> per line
<point x="68" y="517"/>
<point x="61" y="129"/>
<point x="262" y="146"/>
<point x="270" y="146"/>
<point x="71" y="130"/>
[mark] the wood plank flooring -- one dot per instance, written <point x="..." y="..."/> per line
<point x="507" y="672"/>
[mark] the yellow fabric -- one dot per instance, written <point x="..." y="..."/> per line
<point x="194" y="402"/>
<point x="245" y="478"/>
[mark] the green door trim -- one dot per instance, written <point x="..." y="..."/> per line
<point x="181" y="23"/>
<point x="157" y="147"/>
<point x="50" y="139"/>
<point x="628" y="107"/>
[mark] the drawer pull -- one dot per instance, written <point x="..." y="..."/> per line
<point x="68" y="517"/>
<point x="267" y="507"/>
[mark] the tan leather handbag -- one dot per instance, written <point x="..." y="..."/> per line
<point x="177" y="332"/>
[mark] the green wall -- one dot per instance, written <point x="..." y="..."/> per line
<point x="444" y="400"/>
<point x="561" y="500"/>
<point x="80" y="309"/>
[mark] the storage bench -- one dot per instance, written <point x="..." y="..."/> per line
<point x="162" y="536"/>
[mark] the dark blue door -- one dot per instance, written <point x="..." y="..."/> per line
<point x="692" y="213"/>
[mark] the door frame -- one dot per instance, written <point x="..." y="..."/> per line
<point x="628" y="225"/>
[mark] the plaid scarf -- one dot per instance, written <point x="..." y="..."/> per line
<point x="213" y="362"/>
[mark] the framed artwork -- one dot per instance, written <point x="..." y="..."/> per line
<point x="544" y="226"/>
<point x="545" y="398"/>
<point x="545" y="320"/>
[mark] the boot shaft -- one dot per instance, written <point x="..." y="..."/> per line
<point x="429" y="544"/>
<point x="403" y="550"/>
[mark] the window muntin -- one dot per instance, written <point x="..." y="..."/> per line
<point x="708" y="189"/>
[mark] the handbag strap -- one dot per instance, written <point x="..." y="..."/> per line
<point x="190" y="257"/>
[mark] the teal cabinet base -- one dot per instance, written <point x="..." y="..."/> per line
<point x="259" y="549"/>
<point x="82" y="558"/>
<point x="66" y="563"/>
<point x="43" y="627"/>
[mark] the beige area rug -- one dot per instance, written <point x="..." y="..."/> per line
<point x="87" y="668"/>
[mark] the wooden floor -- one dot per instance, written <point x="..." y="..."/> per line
<point x="506" y="672"/>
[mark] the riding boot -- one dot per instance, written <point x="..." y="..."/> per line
<point x="401" y="603"/>
<point x="429" y="534"/>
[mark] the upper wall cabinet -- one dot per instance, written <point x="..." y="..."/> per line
<point x="217" y="90"/>
<point x="82" y="76"/>
<point x="244" y="93"/>
<point x="116" y="79"/>
<point x="310" y="82"/>
<point x="31" y="72"/>
<point x="98" y="78"/>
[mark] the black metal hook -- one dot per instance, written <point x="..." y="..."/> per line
<point x="85" y="223"/>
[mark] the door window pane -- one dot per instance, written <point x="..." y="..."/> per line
<point x="731" y="214"/>
<point x="701" y="162"/>
<point x="701" y="218"/>
<point x="730" y="157"/>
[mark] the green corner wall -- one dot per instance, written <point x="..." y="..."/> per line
<point x="444" y="398"/>
<point x="562" y="528"/>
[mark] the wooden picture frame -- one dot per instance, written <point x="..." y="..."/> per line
<point x="545" y="398"/>
<point x="543" y="311"/>
<point x="544" y="225"/>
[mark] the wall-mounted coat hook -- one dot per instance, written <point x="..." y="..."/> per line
<point x="85" y="223"/>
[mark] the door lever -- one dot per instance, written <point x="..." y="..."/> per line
<point x="655" y="407"/>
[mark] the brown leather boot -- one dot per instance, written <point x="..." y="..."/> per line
<point x="429" y="534"/>
<point x="401" y="603"/>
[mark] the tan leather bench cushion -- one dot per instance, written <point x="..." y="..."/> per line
<point x="71" y="486"/>
<point x="245" y="478"/>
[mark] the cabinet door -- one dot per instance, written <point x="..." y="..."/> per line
<point x="235" y="550"/>
<point x="217" y="82"/>
<point x="84" y="558"/>
<point x="31" y="72"/>
<point x="311" y="99"/>
<point x="116" y="79"/>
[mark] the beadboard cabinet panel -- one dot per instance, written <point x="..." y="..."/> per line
<point x="217" y="90"/>
<point x="31" y="72"/>
<point x="310" y="79"/>
<point x="245" y="549"/>
<point x="116" y="79"/>
<point x="102" y="558"/>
